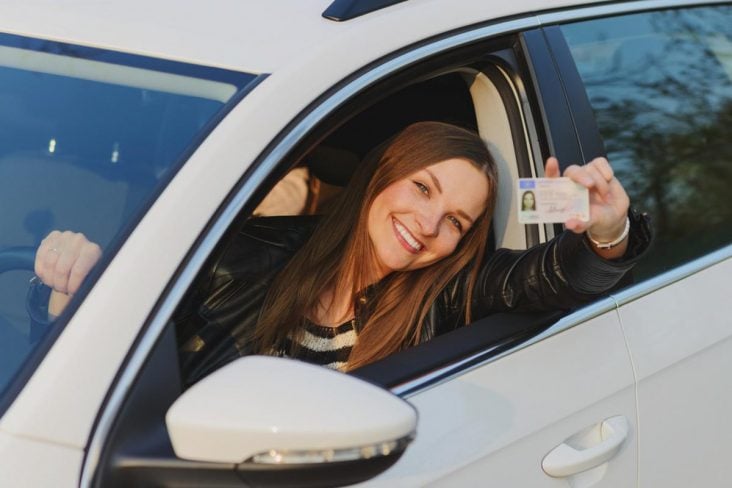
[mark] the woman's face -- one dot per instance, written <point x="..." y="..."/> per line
<point x="528" y="200"/>
<point x="418" y="220"/>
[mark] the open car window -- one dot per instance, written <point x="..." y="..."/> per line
<point x="479" y="96"/>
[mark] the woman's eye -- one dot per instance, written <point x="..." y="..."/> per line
<point x="456" y="223"/>
<point x="422" y="187"/>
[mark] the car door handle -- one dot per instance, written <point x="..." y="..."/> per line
<point x="564" y="460"/>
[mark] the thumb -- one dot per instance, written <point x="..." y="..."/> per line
<point x="551" y="170"/>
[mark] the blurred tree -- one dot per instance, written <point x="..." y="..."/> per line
<point x="660" y="85"/>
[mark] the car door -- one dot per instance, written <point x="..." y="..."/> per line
<point x="496" y="420"/>
<point x="512" y="400"/>
<point x="661" y="83"/>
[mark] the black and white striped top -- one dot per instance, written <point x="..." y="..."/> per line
<point x="324" y="346"/>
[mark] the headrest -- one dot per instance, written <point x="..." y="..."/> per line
<point x="332" y="165"/>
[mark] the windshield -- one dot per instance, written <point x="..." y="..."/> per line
<point x="87" y="139"/>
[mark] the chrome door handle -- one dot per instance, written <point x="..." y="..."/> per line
<point x="564" y="460"/>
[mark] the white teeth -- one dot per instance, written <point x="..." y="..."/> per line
<point x="407" y="236"/>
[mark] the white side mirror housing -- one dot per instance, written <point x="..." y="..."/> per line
<point x="267" y="410"/>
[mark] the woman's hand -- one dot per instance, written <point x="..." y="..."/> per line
<point x="63" y="260"/>
<point x="608" y="202"/>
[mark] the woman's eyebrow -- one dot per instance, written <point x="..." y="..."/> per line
<point x="465" y="216"/>
<point x="436" y="182"/>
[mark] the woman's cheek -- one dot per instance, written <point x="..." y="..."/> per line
<point x="449" y="246"/>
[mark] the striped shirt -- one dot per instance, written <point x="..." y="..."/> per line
<point x="324" y="346"/>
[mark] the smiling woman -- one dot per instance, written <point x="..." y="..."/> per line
<point x="400" y="259"/>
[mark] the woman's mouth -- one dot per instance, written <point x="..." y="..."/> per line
<point x="405" y="238"/>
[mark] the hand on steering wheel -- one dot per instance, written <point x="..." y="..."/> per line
<point x="64" y="259"/>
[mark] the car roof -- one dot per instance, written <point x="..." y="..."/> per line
<point x="256" y="36"/>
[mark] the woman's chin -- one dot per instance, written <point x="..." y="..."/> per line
<point x="391" y="262"/>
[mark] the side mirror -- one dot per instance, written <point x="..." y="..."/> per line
<point x="288" y="423"/>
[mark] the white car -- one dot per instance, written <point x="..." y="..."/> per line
<point x="154" y="127"/>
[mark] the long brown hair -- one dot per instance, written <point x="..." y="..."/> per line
<point x="334" y="256"/>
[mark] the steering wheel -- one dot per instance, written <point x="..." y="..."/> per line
<point x="21" y="257"/>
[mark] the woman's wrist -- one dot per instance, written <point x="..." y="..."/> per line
<point x="605" y="242"/>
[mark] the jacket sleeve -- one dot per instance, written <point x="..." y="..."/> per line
<point x="215" y="320"/>
<point x="558" y="275"/>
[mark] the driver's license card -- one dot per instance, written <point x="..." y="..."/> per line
<point x="551" y="200"/>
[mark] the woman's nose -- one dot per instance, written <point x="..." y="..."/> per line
<point x="429" y="222"/>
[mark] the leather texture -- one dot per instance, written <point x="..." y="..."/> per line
<point x="223" y="305"/>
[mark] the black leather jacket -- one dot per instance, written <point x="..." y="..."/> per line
<point x="224" y="304"/>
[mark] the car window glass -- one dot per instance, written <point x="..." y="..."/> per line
<point x="661" y="87"/>
<point x="88" y="138"/>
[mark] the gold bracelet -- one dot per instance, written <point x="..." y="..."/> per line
<point x="611" y="244"/>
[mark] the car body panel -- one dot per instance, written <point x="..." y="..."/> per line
<point x="498" y="421"/>
<point x="681" y="345"/>
<point x="41" y="463"/>
<point x="228" y="34"/>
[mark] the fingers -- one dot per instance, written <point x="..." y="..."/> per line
<point x="608" y="200"/>
<point x="600" y="184"/>
<point x="579" y="174"/>
<point x="47" y="256"/>
<point x="596" y="175"/>
<point x="603" y="166"/>
<point x="88" y="257"/>
<point x="68" y="256"/>
<point x="64" y="259"/>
